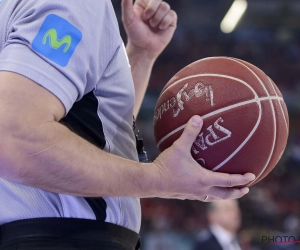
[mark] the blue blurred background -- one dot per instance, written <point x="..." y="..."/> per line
<point x="267" y="36"/>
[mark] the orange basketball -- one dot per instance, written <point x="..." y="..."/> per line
<point x="246" y="122"/>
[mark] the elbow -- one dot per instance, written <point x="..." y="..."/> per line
<point x="6" y="156"/>
<point x="10" y="150"/>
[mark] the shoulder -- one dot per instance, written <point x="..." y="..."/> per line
<point x="80" y="9"/>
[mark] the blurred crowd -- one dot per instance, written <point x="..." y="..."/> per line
<point x="272" y="207"/>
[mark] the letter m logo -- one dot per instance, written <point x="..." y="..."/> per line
<point x="55" y="43"/>
<point x="57" y="40"/>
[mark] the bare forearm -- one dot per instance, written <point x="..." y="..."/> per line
<point x="52" y="158"/>
<point x="55" y="159"/>
<point x="141" y="68"/>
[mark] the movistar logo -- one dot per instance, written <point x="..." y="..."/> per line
<point x="56" y="43"/>
<point x="57" y="39"/>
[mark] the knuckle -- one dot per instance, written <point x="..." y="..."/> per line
<point x="174" y="14"/>
<point x="165" y="6"/>
<point x="150" y="10"/>
<point x="229" y="182"/>
<point x="204" y="182"/>
<point x="227" y="195"/>
<point x="153" y="6"/>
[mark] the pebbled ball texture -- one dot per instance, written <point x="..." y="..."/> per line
<point x="246" y="122"/>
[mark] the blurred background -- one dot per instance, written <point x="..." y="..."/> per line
<point x="268" y="36"/>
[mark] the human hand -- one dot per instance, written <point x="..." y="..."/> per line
<point x="181" y="177"/>
<point x="149" y="24"/>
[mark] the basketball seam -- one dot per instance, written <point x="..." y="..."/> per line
<point x="274" y="119"/>
<point x="251" y="133"/>
<point x="204" y="59"/>
<point x="257" y="100"/>
<point x="286" y="124"/>
<point x="218" y="112"/>
<point x="201" y="60"/>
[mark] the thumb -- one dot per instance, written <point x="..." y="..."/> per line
<point x="127" y="11"/>
<point x="191" y="131"/>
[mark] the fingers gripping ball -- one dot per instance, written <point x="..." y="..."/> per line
<point x="245" y="117"/>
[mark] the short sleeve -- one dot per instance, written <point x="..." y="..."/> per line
<point x="55" y="44"/>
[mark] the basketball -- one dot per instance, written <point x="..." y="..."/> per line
<point x="246" y="122"/>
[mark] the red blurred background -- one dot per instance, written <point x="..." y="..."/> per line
<point x="267" y="36"/>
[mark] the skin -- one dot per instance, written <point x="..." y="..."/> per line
<point x="226" y="214"/>
<point x="150" y="26"/>
<point x="37" y="151"/>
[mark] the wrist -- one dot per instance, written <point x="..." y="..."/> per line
<point x="138" y="54"/>
<point x="150" y="185"/>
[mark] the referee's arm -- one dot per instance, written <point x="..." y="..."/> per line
<point x="37" y="151"/>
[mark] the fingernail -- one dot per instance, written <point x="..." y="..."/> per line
<point x="161" y="27"/>
<point x="252" y="176"/>
<point x="245" y="190"/>
<point x="197" y="121"/>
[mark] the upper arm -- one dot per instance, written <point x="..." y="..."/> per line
<point x="24" y="102"/>
<point x="53" y="52"/>
<point x="56" y="55"/>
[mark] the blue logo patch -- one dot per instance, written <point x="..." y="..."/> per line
<point x="57" y="40"/>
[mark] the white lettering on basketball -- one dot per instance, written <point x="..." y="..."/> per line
<point x="164" y="108"/>
<point x="204" y="141"/>
<point x="200" y="142"/>
<point x="180" y="103"/>
<point x="195" y="151"/>
<point x="217" y="138"/>
<point x="183" y="95"/>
